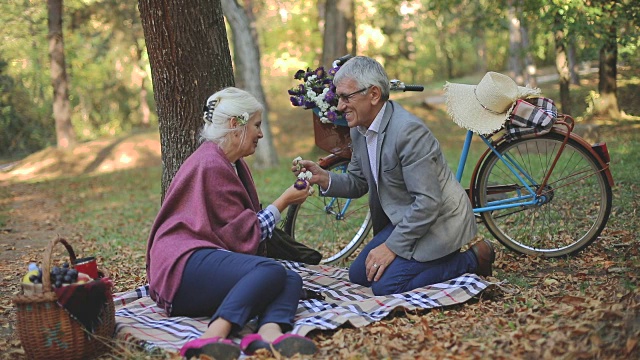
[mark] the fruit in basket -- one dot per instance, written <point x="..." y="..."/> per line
<point x="31" y="277"/>
<point x="63" y="275"/>
<point x="83" y="278"/>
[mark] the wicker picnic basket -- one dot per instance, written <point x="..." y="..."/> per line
<point x="47" y="331"/>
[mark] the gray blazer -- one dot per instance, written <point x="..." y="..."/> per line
<point x="417" y="191"/>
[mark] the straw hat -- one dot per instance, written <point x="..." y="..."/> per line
<point x="484" y="108"/>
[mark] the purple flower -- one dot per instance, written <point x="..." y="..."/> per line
<point x="332" y="116"/>
<point x="316" y="83"/>
<point x="298" y="90"/>
<point x="299" y="75"/>
<point x="308" y="74"/>
<point x="297" y="100"/>
<point x="300" y="184"/>
<point x="330" y="96"/>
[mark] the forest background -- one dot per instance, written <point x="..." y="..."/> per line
<point x="584" y="54"/>
<point x="108" y="76"/>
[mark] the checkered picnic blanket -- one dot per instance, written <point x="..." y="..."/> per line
<point x="141" y="321"/>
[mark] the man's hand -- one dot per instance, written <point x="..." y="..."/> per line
<point x="319" y="175"/>
<point x="377" y="262"/>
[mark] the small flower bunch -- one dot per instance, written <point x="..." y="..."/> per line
<point x="303" y="177"/>
<point x="317" y="91"/>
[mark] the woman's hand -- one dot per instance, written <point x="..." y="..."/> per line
<point x="292" y="196"/>
<point x="319" y="175"/>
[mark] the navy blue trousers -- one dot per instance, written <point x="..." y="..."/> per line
<point x="404" y="275"/>
<point x="238" y="287"/>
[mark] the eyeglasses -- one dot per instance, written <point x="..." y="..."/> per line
<point x="347" y="98"/>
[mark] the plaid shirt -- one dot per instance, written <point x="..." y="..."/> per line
<point x="268" y="219"/>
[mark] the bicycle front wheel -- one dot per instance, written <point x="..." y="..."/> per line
<point x="571" y="211"/>
<point x="334" y="226"/>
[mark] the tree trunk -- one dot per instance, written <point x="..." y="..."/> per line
<point x="562" y="66"/>
<point x="515" y="44"/>
<point x="442" y="43"/>
<point x="607" y="86"/>
<point x="190" y="60"/>
<point x="65" y="136"/>
<point x="573" y="64"/>
<point x="481" y="51"/>
<point x="529" y="64"/>
<point x="339" y="18"/>
<point x="138" y="76"/>
<point x="248" y="54"/>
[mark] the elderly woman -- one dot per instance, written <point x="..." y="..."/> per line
<point x="202" y="251"/>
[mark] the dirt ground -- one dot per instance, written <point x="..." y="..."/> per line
<point x="35" y="217"/>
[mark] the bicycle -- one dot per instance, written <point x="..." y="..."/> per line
<point x="548" y="195"/>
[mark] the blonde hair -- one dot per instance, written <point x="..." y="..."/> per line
<point x="223" y="105"/>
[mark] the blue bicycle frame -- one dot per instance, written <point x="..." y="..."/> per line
<point x="527" y="199"/>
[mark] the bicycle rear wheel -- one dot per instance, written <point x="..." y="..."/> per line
<point x="575" y="204"/>
<point x="334" y="226"/>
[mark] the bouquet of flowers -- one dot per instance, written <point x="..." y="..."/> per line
<point x="317" y="92"/>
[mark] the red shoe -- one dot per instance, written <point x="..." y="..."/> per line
<point x="290" y="344"/>
<point x="217" y="347"/>
<point x="252" y="343"/>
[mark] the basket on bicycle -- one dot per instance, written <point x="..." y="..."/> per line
<point x="332" y="138"/>
<point x="48" y="331"/>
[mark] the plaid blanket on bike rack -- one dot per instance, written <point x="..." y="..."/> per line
<point x="140" y="321"/>
<point x="531" y="117"/>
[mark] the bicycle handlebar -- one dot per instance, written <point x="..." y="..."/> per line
<point x="343" y="59"/>
<point x="397" y="85"/>
<point x="413" y="88"/>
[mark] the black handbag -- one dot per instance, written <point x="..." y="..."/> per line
<point x="282" y="246"/>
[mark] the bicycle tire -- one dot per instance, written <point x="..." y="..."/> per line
<point x="317" y="223"/>
<point x="577" y="201"/>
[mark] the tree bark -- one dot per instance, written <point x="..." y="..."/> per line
<point x="339" y="18"/>
<point x="562" y="66"/>
<point x="65" y="136"/>
<point x="190" y="60"/>
<point x="247" y="53"/>
<point x="607" y="86"/>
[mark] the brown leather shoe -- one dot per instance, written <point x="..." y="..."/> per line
<point x="483" y="250"/>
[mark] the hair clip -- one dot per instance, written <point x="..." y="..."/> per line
<point x="208" y="109"/>
<point x="243" y="119"/>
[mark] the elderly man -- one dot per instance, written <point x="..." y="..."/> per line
<point x="421" y="215"/>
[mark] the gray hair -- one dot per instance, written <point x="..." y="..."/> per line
<point x="366" y="72"/>
<point x="222" y="106"/>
